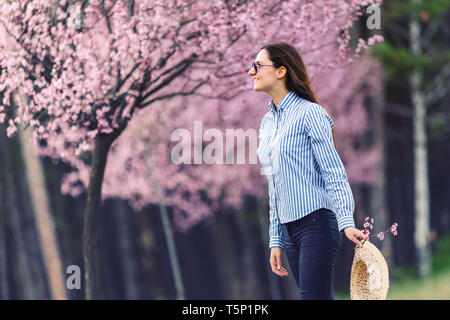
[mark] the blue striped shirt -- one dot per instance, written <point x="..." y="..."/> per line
<point x="302" y="166"/>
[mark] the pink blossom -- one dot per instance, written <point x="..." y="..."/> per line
<point x="366" y="233"/>
<point x="380" y="235"/>
<point x="393" y="229"/>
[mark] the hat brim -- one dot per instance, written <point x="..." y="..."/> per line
<point x="369" y="279"/>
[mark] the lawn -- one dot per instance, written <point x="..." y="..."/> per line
<point x="436" y="287"/>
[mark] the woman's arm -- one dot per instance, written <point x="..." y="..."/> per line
<point x="319" y="127"/>
<point x="275" y="231"/>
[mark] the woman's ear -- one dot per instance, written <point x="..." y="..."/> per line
<point x="281" y="72"/>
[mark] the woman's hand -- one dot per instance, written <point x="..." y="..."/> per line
<point x="354" y="235"/>
<point x="275" y="262"/>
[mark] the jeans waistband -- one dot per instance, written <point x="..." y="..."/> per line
<point x="321" y="211"/>
<point x="312" y="215"/>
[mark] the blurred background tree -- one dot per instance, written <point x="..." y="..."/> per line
<point x="416" y="58"/>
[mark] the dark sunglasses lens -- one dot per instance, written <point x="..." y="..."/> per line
<point x="255" y="67"/>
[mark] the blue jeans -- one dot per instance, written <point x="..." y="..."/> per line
<point x="311" y="245"/>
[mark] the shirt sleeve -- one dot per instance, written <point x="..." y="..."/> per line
<point x="319" y="126"/>
<point x="275" y="231"/>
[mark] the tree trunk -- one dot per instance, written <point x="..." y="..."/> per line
<point x="22" y="264"/>
<point x="274" y="283"/>
<point x="170" y="241"/>
<point x="43" y="217"/>
<point x="4" y="288"/>
<point x="126" y="251"/>
<point x="421" y="187"/>
<point x="91" y="216"/>
<point x="251" y="287"/>
<point x="168" y="234"/>
<point x="226" y="257"/>
<point x="149" y="257"/>
<point x="378" y="203"/>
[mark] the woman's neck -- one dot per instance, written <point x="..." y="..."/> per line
<point x="278" y="95"/>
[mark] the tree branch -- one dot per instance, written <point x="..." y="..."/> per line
<point x="105" y="13"/>
<point x="438" y="87"/>
<point x="120" y="82"/>
<point x="429" y="33"/>
<point x="130" y="7"/>
<point x="182" y="66"/>
<point x="171" y="95"/>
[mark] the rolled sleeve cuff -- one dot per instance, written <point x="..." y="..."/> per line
<point x="276" y="242"/>
<point x="344" y="222"/>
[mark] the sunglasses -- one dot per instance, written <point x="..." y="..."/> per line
<point x="256" y="66"/>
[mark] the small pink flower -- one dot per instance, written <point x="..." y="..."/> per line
<point x="366" y="233"/>
<point x="368" y="226"/>
<point x="393" y="229"/>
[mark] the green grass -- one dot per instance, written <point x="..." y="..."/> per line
<point x="408" y="287"/>
<point x="435" y="287"/>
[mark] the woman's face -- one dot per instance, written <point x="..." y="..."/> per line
<point x="266" y="77"/>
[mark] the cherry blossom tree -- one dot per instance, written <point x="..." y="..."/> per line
<point x="196" y="190"/>
<point x="85" y="84"/>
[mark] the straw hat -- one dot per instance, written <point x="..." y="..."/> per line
<point x="369" y="279"/>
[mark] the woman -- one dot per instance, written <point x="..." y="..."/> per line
<point x="310" y="196"/>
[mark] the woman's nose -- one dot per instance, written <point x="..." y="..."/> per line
<point x="251" y="71"/>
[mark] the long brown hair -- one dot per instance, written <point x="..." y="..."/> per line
<point x="297" y="80"/>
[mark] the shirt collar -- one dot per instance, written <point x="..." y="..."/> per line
<point x="283" y="103"/>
